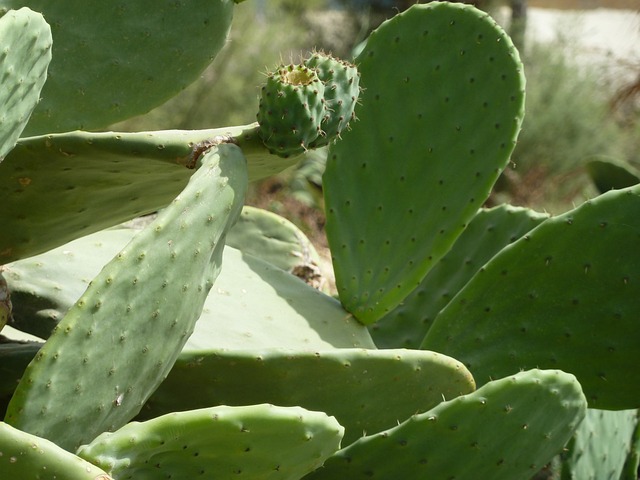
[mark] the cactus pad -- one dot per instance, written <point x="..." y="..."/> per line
<point x="487" y="233"/>
<point x="121" y="338"/>
<point x="24" y="456"/>
<point x="364" y="383"/>
<point x="56" y="188"/>
<point x="110" y="60"/>
<point x="441" y="106"/>
<point x="600" y="446"/>
<point x="291" y="109"/>
<point x="506" y="430"/>
<point x="26" y="44"/>
<point x="566" y="295"/>
<point x="261" y="442"/>
<point x="272" y="238"/>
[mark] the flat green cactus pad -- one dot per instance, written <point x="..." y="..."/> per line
<point x="566" y="295"/>
<point x="25" y="457"/>
<point x="257" y="305"/>
<point x="55" y="188"/>
<point x="121" y="338"/>
<point x="26" y="44"/>
<point x="601" y="445"/>
<point x="254" y="303"/>
<point x="261" y="442"/>
<point x="272" y="238"/>
<point x="487" y="233"/>
<point x="506" y="430"/>
<point x="46" y="286"/>
<point x="112" y="61"/>
<point x="442" y="104"/>
<point x="361" y="388"/>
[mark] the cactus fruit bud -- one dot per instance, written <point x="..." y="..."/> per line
<point x="291" y="109"/>
<point x="342" y="87"/>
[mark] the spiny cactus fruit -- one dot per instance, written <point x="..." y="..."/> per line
<point x="291" y="109"/>
<point x="121" y="338"/>
<point x="24" y="456"/>
<point x="26" y="53"/>
<point x="506" y="430"/>
<point x="341" y="81"/>
<point x="263" y="442"/>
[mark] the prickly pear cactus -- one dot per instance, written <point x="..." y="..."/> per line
<point x="260" y="441"/>
<point x="442" y="104"/>
<point x="473" y="436"/>
<point x="128" y="52"/>
<point x="600" y="445"/>
<point x="342" y="89"/>
<point x="88" y="176"/>
<point x="564" y="295"/>
<point x="121" y="338"/>
<point x="25" y="456"/>
<point x="487" y="233"/>
<point x="291" y="110"/>
<point x="26" y="43"/>
<point x="281" y="376"/>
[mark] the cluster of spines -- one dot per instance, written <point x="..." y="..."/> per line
<point x="308" y="105"/>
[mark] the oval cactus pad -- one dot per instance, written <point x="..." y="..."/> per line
<point x="441" y="106"/>
<point x="566" y="295"/>
<point x="114" y="60"/>
<point x="26" y="44"/>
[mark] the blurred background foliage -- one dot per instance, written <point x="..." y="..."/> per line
<point x="574" y="113"/>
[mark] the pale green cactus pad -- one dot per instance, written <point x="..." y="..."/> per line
<point x="273" y="239"/>
<point x="24" y="457"/>
<point x="56" y="188"/>
<point x="366" y="390"/>
<point x="506" y="430"/>
<point x="121" y="338"/>
<point x="26" y="53"/>
<point x="113" y="61"/>
<point x="261" y="442"/>
<point x="254" y="303"/>
<point x="46" y="286"/>
<point x="566" y="295"/>
<point x="601" y="445"/>
<point x="441" y="106"/>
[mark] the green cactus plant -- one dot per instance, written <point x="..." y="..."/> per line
<point x="257" y="441"/>
<point x="601" y="445"/>
<point x="128" y="60"/>
<point x="26" y="43"/>
<point x="177" y="257"/>
<point x="27" y="456"/>
<point x="177" y="324"/>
